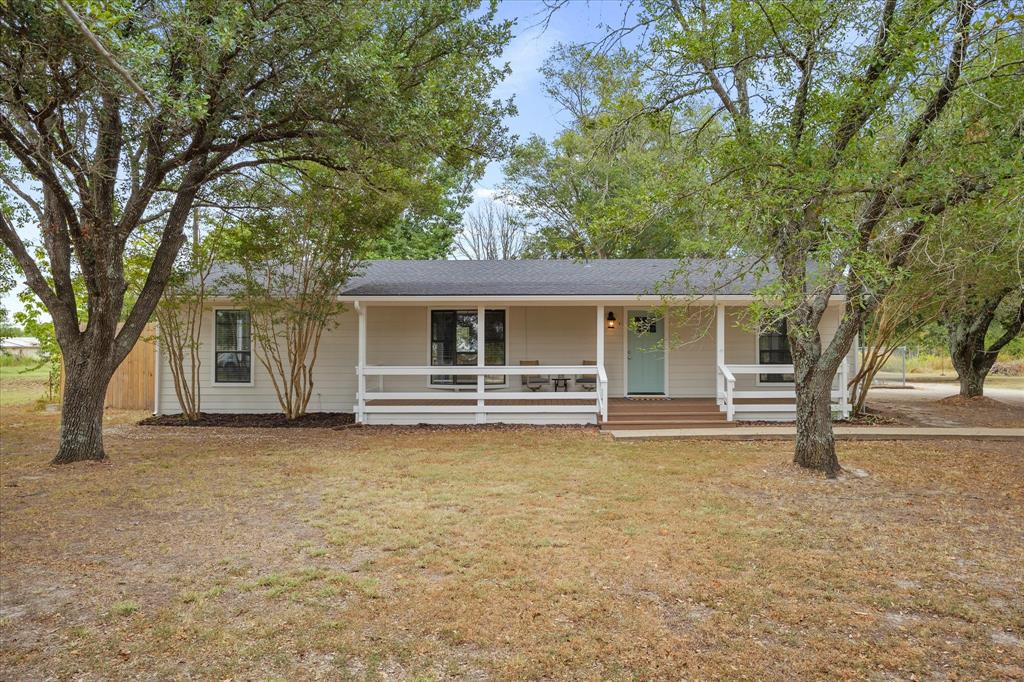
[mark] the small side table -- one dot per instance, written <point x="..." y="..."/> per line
<point x="562" y="381"/>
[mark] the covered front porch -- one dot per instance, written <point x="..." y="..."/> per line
<point x="565" y="363"/>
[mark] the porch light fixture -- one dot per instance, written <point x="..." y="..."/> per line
<point x="611" y="320"/>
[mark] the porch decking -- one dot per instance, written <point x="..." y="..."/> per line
<point x="623" y="413"/>
<point x="496" y="400"/>
<point x="675" y="413"/>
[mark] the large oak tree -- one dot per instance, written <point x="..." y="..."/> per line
<point x="118" y="116"/>
<point x="842" y="132"/>
<point x="980" y="283"/>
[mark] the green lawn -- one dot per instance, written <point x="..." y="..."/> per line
<point x="993" y="380"/>
<point x="512" y="554"/>
<point x="21" y="384"/>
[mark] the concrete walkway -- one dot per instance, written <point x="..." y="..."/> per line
<point x="842" y="433"/>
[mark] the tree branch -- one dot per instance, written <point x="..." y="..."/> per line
<point x="104" y="53"/>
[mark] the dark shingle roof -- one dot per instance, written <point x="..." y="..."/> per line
<point x="620" y="277"/>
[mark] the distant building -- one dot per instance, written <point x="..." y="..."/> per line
<point x="20" y="346"/>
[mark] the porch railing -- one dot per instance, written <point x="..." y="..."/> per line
<point x="729" y="395"/>
<point x="602" y="393"/>
<point x="588" y="402"/>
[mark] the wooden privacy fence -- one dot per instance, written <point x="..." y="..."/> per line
<point x="131" y="387"/>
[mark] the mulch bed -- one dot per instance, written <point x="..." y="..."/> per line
<point x="332" y="420"/>
<point x="977" y="401"/>
<point x="870" y="418"/>
<point x="499" y="426"/>
<point x="274" y="420"/>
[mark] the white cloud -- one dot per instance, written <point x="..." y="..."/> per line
<point x="525" y="54"/>
<point x="484" y="193"/>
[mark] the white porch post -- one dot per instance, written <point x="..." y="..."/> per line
<point x="361" y="365"/>
<point x="719" y="354"/>
<point x="481" y="318"/>
<point x="602" y="400"/>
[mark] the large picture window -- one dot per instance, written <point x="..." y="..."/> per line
<point x="233" y="361"/>
<point x="453" y="341"/>
<point x="773" y="349"/>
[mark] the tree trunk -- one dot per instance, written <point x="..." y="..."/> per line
<point x="968" y="327"/>
<point x="972" y="383"/>
<point x="969" y="357"/>
<point x="815" y="441"/>
<point x="81" y="422"/>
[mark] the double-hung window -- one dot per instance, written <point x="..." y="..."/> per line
<point x="773" y="349"/>
<point x="233" y="352"/>
<point x="453" y="342"/>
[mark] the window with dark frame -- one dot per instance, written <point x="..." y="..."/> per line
<point x="773" y="349"/>
<point x="453" y="341"/>
<point x="233" y="347"/>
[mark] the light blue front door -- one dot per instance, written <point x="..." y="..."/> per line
<point x="645" y="355"/>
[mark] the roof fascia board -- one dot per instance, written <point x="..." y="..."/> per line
<point x="595" y="299"/>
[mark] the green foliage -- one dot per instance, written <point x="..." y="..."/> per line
<point x="603" y="189"/>
<point x="423" y="231"/>
<point x="31" y="319"/>
<point x="830" y="150"/>
<point x="394" y="95"/>
<point x="293" y="261"/>
<point x="8" y="272"/>
<point x="180" y="314"/>
<point x="1015" y="348"/>
<point x="426" y="228"/>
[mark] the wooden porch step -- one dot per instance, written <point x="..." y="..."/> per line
<point x="661" y="406"/>
<point x="665" y="424"/>
<point x="666" y="410"/>
<point x="705" y="415"/>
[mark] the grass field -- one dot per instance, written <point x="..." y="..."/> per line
<point x="992" y="381"/>
<point x="502" y="554"/>
<point x="20" y="384"/>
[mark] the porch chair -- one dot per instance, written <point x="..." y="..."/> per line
<point x="588" y="382"/>
<point x="534" y="382"/>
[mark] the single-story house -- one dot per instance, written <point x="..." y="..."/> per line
<point x="20" y="346"/>
<point x="563" y="342"/>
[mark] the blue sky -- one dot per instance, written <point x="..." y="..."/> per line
<point x="578" y="21"/>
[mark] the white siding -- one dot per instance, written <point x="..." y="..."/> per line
<point x="334" y="384"/>
<point x="741" y="342"/>
<point x="399" y="335"/>
<point x="614" y="353"/>
<point x="691" y="353"/>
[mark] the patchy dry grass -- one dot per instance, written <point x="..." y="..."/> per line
<point x="21" y="383"/>
<point x="390" y="554"/>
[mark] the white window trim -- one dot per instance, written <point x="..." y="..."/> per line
<point x="757" y="361"/>
<point x="213" y="346"/>
<point x="465" y="387"/>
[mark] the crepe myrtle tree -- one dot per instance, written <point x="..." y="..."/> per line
<point x="289" y="264"/>
<point x="843" y="131"/>
<point x="179" y="317"/>
<point x="116" y="116"/>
